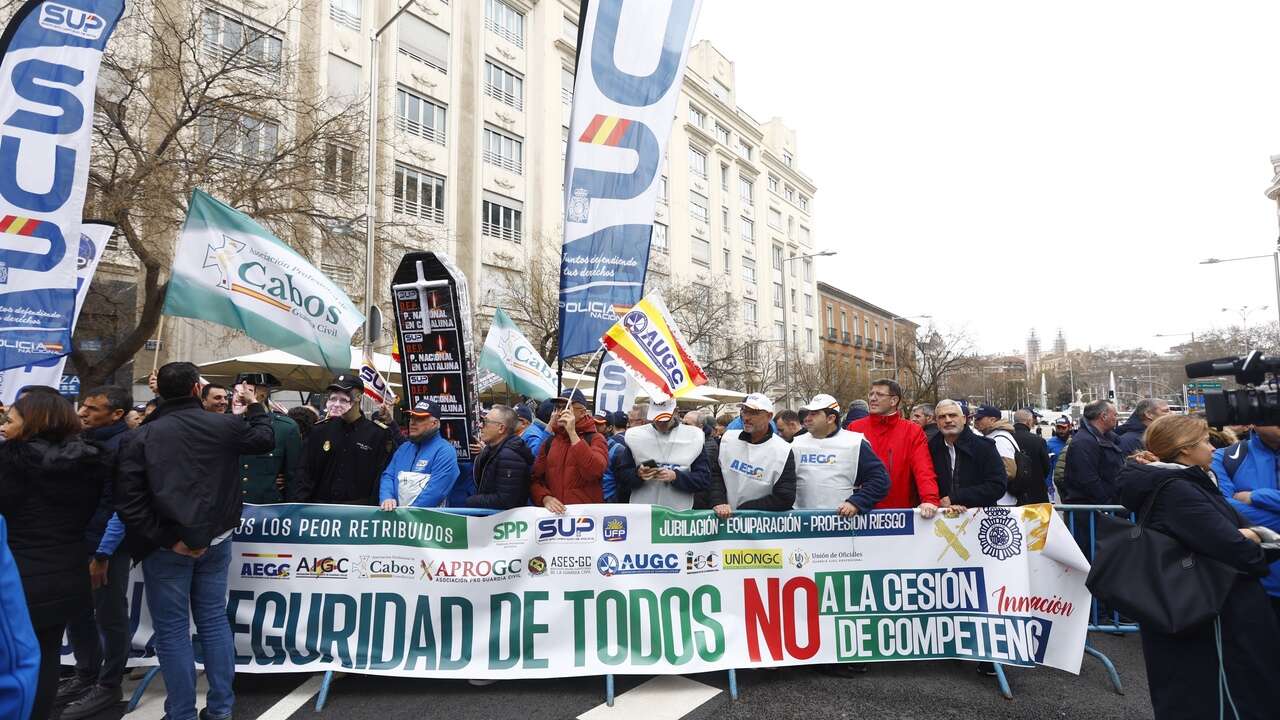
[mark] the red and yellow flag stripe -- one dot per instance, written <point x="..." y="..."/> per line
<point x="605" y="130"/>
<point x="15" y="225"/>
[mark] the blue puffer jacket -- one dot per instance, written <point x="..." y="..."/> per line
<point x="434" y="456"/>
<point x="1255" y="473"/>
<point x="19" y="652"/>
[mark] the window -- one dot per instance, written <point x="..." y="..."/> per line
<point x="503" y="85"/>
<point x="564" y="149"/>
<point x="831" y="323"/>
<point x="777" y="295"/>
<point x="794" y="306"/>
<point x="787" y="158"/>
<point x="808" y="305"/>
<point x="419" y="116"/>
<point x="792" y="261"/>
<point x="773" y="184"/>
<point x="697" y="117"/>
<point x="790" y="194"/>
<point x="804" y="235"/>
<point x="722" y="134"/>
<point x="698" y="207"/>
<point x="662" y="189"/>
<point x="808" y="339"/>
<point x="808" y="270"/>
<point x="345" y="12"/>
<point x="775" y="218"/>
<point x="749" y="271"/>
<point x="423" y="42"/>
<point x="339" y="168"/>
<point x="344" y="79"/>
<point x="658" y="240"/>
<point x="728" y="261"/>
<point x="235" y="137"/>
<point x="700" y="250"/>
<point x="419" y="193"/>
<point x="724" y="177"/>
<point x="804" y="203"/>
<point x="746" y="189"/>
<point x="501" y="218"/>
<point x="698" y="163"/>
<point x="505" y="21"/>
<point x="749" y="311"/>
<point x="502" y="150"/>
<point x="720" y="91"/>
<point x="777" y="257"/>
<point x="844" y="323"/>
<point x="566" y="86"/>
<point x="748" y="231"/>
<point x="779" y="333"/>
<point x="745" y="149"/>
<point x="724" y="218"/>
<point x="569" y="29"/>
<point x="233" y="41"/>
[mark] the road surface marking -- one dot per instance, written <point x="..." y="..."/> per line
<point x="290" y="703"/>
<point x="151" y="705"/>
<point x="665" y="697"/>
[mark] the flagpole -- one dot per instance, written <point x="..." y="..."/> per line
<point x="155" y="357"/>
<point x="594" y="355"/>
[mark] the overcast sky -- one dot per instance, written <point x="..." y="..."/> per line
<point x="1009" y="165"/>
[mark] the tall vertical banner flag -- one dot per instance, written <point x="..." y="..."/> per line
<point x="616" y="389"/>
<point x="49" y="58"/>
<point x="508" y="354"/>
<point x="93" y="240"/>
<point x="231" y="271"/>
<point x="649" y="344"/>
<point x="630" y="66"/>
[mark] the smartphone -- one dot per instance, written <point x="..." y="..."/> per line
<point x="649" y="463"/>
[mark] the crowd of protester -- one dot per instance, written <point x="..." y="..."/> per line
<point x="85" y="493"/>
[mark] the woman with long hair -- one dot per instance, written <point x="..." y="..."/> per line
<point x="50" y="482"/>
<point x="1225" y="667"/>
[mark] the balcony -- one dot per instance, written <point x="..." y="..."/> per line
<point x="844" y="337"/>
<point x="857" y="341"/>
<point x="831" y="333"/>
<point x="879" y="345"/>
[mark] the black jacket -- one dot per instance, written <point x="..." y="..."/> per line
<point x="502" y="476"/>
<point x="1092" y="466"/>
<point x="1037" y="452"/>
<point x="979" y="479"/>
<point x="176" y="478"/>
<point x="783" y="497"/>
<point x="1130" y="433"/>
<point x="109" y="439"/>
<point x="341" y="462"/>
<point x="930" y="430"/>
<point x="1182" y="670"/>
<point x="48" y="493"/>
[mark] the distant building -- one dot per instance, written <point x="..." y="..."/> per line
<point x="861" y="335"/>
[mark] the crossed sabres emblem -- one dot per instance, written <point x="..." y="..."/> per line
<point x="219" y="257"/>
<point x="998" y="535"/>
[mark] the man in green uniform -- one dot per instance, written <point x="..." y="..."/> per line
<point x="263" y="477"/>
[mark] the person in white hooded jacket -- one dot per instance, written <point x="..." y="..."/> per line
<point x="662" y="462"/>
<point x="835" y="468"/>
<point x="755" y="469"/>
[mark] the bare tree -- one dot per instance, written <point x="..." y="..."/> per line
<point x="826" y="374"/>
<point x="939" y="354"/>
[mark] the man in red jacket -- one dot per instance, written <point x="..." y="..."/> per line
<point x="570" y="465"/>
<point x="901" y="446"/>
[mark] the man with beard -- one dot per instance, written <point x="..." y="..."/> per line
<point x="424" y="469"/>
<point x="663" y="462"/>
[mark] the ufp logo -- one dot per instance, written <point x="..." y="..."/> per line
<point x="70" y="21"/>
<point x="615" y="528"/>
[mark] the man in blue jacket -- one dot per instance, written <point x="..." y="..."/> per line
<point x="19" y="652"/>
<point x="1246" y="475"/>
<point x="1095" y="458"/>
<point x="423" y="470"/>
<point x="531" y="432"/>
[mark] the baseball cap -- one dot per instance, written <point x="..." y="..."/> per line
<point x="618" y="419"/>
<point x="1062" y="420"/>
<point x="424" y="408"/>
<point x="822" y="401"/>
<point x="522" y="412"/>
<point x="985" y="410"/>
<point x="600" y="415"/>
<point x="347" y="382"/>
<point x="660" y="411"/>
<point x="758" y="401"/>
<point x="573" y="396"/>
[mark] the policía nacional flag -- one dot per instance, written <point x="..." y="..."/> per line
<point x="648" y="342"/>
<point x="49" y="58"/>
<point x="231" y="271"/>
<point x="508" y="354"/>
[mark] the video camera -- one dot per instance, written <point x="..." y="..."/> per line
<point x="1249" y="405"/>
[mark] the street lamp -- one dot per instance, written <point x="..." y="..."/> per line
<point x="820" y="253"/>
<point x="893" y="336"/>
<point x="1243" y="312"/>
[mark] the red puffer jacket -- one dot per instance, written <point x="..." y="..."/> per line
<point x="571" y="474"/>
<point x="902" y="447"/>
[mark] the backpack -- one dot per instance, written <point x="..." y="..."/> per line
<point x="1021" y="484"/>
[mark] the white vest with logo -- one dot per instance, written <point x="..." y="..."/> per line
<point x="826" y="469"/>
<point x="749" y="471"/>
<point x="677" y="450"/>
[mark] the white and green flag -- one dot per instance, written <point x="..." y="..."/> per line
<point x="508" y="354"/>
<point x="230" y="270"/>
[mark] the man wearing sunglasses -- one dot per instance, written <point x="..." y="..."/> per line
<point x="345" y="453"/>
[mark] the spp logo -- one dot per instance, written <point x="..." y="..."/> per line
<point x="70" y="21"/>
<point x="747" y="468"/>
<point x="817" y="458"/>
<point x="609" y="564"/>
<point x="510" y="531"/>
<point x="615" y="528"/>
<point x="565" y="528"/>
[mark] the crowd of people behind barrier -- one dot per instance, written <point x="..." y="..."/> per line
<point x="163" y="484"/>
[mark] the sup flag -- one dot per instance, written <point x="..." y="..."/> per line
<point x="619" y="130"/>
<point x="375" y="386"/>
<point x="49" y="58"/>
<point x="508" y="354"/>
<point x="231" y="271"/>
<point x="648" y="343"/>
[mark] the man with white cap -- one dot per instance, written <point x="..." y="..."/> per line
<point x="755" y="469"/>
<point x="663" y="462"/>
<point x="835" y="468"/>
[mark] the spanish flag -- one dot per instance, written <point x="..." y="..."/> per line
<point x="647" y="341"/>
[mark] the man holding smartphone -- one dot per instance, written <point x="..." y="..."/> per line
<point x="663" y="462"/>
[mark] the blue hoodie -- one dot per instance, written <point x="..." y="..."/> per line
<point x="1257" y="474"/>
<point x="19" y="652"/>
<point x="433" y="455"/>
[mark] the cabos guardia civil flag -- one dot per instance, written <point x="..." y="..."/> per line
<point x="647" y="341"/>
<point x="645" y="590"/>
<point x="230" y="270"/>
<point x="508" y="354"/>
<point x="49" y="58"/>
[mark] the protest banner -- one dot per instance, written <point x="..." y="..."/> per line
<point x="643" y="589"/>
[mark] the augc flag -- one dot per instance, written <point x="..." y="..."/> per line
<point x="49" y="58"/>
<point x="649" y="344"/>
<point x="509" y="355"/>
<point x="230" y="270"/>
<point x="619" y="129"/>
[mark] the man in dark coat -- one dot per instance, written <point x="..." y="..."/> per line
<point x="263" y="476"/>
<point x="1095" y="458"/>
<point x="178" y="494"/>
<point x="1036" y="451"/>
<point x="502" y="468"/>
<point x="346" y="453"/>
<point x="969" y="468"/>
<point x="1131" y="431"/>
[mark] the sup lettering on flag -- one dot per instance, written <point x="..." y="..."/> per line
<point x="647" y="341"/>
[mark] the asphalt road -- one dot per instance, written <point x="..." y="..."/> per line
<point x="897" y="691"/>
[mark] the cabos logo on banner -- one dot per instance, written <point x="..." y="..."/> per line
<point x="621" y="123"/>
<point x="49" y="68"/>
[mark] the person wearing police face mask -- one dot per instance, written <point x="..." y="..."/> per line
<point x="423" y="470"/>
<point x="345" y="453"/>
<point x="754" y="468"/>
<point x="835" y="468"/>
<point x="663" y="462"/>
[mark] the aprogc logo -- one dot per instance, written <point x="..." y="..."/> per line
<point x="467" y="570"/>
<point x="70" y="21"/>
<point x="638" y="564"/>
<point x="553" y="529"/>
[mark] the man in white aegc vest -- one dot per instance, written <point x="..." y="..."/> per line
<point x="662" y="462"/>
<point x="755" y="469"/>
<point x="835" y="468"/>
